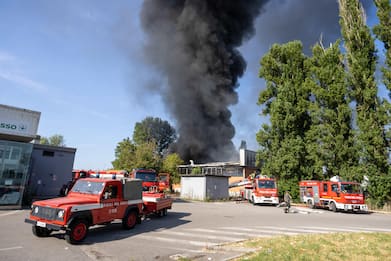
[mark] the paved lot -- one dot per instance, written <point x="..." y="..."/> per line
<point x="191" y="229"/>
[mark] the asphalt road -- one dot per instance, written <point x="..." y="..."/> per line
<point x="191" y="229"/>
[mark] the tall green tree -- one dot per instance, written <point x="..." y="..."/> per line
<point x="124" y="155"/>
<point x="54" y="140"/>
<point x="371" y="118"/>
<point x="381" y="186"/>
<point x="154" y="130"/>
<point x="286" y="101"/>
<point x="170" y="165"/>
<point x="145" y="156"/>
<point x="383" y="32"/>
<point x="330" y="140"/>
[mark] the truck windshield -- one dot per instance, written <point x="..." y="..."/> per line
<point x="146" y="176"/>
<point x="267" y="184"/>
<point x="88" y="187"/>
<point x="351" y="188"/>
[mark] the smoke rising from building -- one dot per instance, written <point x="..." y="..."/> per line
<point x="194" y="45"/>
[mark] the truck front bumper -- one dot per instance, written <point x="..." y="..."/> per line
<point x="266" y="200"/>
<point x="44" y="224"/>
<point x="353" y="207"/>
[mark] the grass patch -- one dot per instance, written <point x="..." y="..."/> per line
<point x="333" y="246"/>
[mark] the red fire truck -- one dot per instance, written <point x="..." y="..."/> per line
<point x="333" y="195"/>
<point x="164" y="182"/>
<point x="109" y="174"/>
<point x="76" y="174"/>
<point x="262" y="190"/>
<point x="149" y="178"/>
<point x="95" y="201"/>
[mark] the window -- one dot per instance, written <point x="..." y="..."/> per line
<point x="266" y="184"/>
<point x="334" y="187"/>
<point x="110" y="192"/>
<point x="325" y="189"/>
<point x="15" y="154"/>
<point x="47" y="153"/>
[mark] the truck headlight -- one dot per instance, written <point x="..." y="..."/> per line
<point x="35" y="209"/>
<point x="60" y="214"/>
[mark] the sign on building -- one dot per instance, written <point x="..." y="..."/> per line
<point x="18" y="124"/>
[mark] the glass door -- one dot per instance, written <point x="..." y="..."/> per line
<point x="14" y="165"/>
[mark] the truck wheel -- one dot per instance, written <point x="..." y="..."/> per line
<point x="41" y="231"/>
<point x="162" y="212"/>
<point x="130" y="220"/>
<point x="332" y="207"/>
<point x="77" y="232"/>
<point x="310" y="204"/>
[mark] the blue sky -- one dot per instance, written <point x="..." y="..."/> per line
<point x="80" y="64"/>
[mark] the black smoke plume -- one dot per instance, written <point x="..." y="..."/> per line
<point x="193" y="43"/>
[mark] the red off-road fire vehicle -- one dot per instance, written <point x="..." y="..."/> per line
<point x="96" y="201"/>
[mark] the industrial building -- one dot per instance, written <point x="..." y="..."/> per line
<point x="210" y="181"/>
<point x="29" y="170"/>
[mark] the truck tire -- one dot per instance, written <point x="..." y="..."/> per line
<point x="332" y="207"/>
<point x="310" y="204"/>
<point x="41" y="231"/>
<point x="162" y="212"/>
<point x="130" y="219"/>
<point x="77" y="231"/>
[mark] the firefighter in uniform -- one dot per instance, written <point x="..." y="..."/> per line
<point x="287" y="200"/>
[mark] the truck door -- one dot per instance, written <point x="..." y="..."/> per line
<point x="110" y="203"/>
<point x="335" y="191"/>
<point x="315" y="191"/>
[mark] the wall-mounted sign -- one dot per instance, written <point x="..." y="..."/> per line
<point x="18" y="122"/>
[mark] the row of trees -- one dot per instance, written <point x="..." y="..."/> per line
<point x="54" y="140"/>
<point x="148" y="148"/>
<point x="326" y="117"/>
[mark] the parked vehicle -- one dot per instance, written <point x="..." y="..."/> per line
<point x="96" y="201"/>
<point x="333" y="195"/>
<point x="164" y="182"/>
<point x="262" y="190"/>
<point x="149" y="178"/>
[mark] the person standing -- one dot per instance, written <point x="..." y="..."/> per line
<point x="287" y="200"/>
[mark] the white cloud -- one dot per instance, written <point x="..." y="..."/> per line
<point x="22" y="81"/>
<point x="10" y="71"/>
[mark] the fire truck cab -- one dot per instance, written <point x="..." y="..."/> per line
<point x="164" y="182"/>
<point x="262" y="190"/>
<point x="149" y="178"/>
<point x="333" y="195"/>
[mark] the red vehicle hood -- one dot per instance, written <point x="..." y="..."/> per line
<point x="69" y="200"/>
